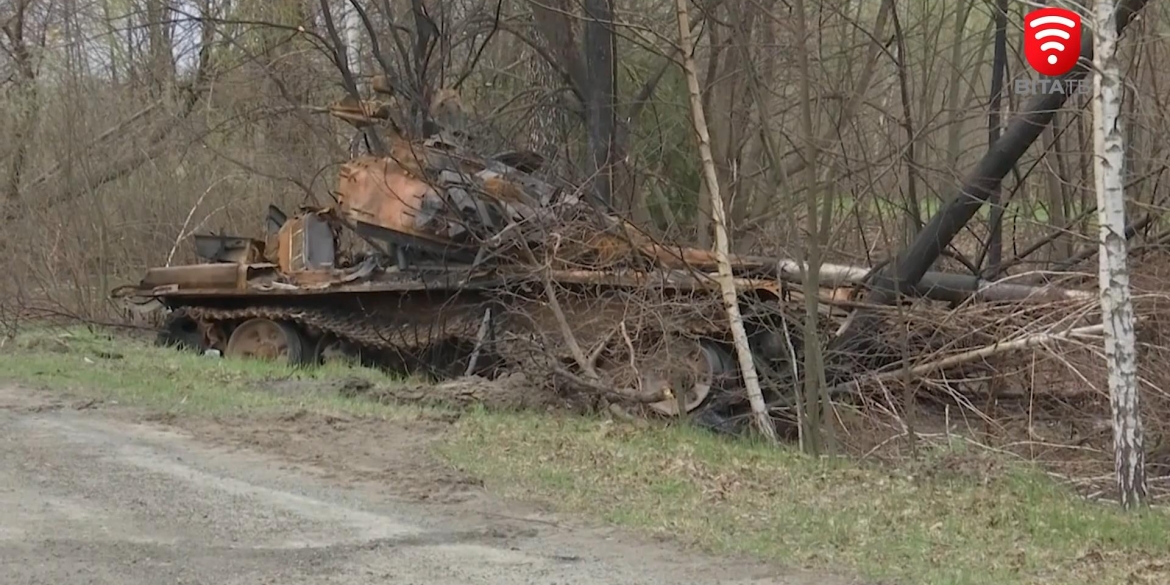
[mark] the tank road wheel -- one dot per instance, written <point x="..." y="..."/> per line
<point x="332" y="350"/>
<point x="686" y="366"/>
<point x="687" y="369"/>
<point x="267" y="340"/>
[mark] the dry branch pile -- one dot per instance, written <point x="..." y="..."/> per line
<point x="1023" y="380"/>
<point x="610" y="291"/>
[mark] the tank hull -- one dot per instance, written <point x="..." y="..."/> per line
<point x="458" y="320"/>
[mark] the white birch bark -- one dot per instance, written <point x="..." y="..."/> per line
<point x="353" y="39"/>
<point x="1116" y="305"/>
<point x="722" y="254"/>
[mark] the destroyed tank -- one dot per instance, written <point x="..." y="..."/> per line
<point x="436" y="261"/>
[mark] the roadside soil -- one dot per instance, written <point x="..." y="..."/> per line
<point x="102" y="493"/>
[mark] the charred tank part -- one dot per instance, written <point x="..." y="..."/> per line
<point x="697" y="369"/>
<point x="452" y="233"/>
<point x="274" y="220"/>
<point x="420" y="332"/>
<point x="261" y="338"/>
<point x="228" y="249"/>
<point x="446" y="327"/>
<point x="684" y="371"/>
<point x="771" y="344"/>
<point x="181" y="331"/>
<point x="306" y="243"/>
<point x="409" y="252"/>
<point x="330" y="349"/>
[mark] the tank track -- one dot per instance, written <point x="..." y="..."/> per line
<point x="433" y="336"/>
<point x="361" y="329"/>
<point x="415" y="329"/>
<point x="436" y="334"/>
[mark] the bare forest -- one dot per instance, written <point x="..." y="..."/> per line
<point x="894" y="165"/>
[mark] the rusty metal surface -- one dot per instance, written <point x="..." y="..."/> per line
<point x="524" y="329"/>
<point x="432" y="198"/>
<point x="284" y="244"/>
<point x="382" y="193"/>
<point x="306" y="243"/>
<point x="214" y="276"/>
<point x="317" y="283"/>
<point x="404" y="331"/>
<point x="218" y="248"/>
<point x="327" y="282"/>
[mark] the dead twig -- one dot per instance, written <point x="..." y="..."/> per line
<point x="183" y="230"/>
<point x="582" y="384"/>
<point x="966" y="357"/>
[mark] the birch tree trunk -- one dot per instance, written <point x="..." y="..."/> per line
<point x="1116" y="305"/>
<point x="719" y="221"/>
<point x="353" y="37"/>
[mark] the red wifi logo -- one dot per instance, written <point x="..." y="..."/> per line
<point x="1052" y="40"/>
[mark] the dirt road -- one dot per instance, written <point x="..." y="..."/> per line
<point x="89" y="497"/>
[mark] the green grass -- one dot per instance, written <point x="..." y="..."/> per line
<point x="923" y="525"/>
<point x="926" y="525"/>
<point x="132" y="371"/>
<point x="954" y="518"/>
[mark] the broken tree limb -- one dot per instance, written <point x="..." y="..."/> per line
<point x="939" y="286"/>
<point x="1087" y="252"/>
<point x="570" y="340"/>
<point x="118" y="128"/>
<point x="480" y="336"/>
<point x="1068" y="264"/>
<point x="605" y="391"/>
<point x="974" y="355"/>
<point x="157" y="142"/>
<point x="726" y="279"/>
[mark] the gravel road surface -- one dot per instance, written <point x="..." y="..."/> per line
<point x="91" y="498"/>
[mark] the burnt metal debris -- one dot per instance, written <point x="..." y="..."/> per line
<point x="437" y="260"/>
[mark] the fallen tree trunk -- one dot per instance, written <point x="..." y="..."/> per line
<point x="912" y="263"/>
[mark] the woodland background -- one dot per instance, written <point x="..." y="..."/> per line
<point x="130" y="124"/>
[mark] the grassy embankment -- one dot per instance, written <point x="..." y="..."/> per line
<point x="923" y="524"/>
